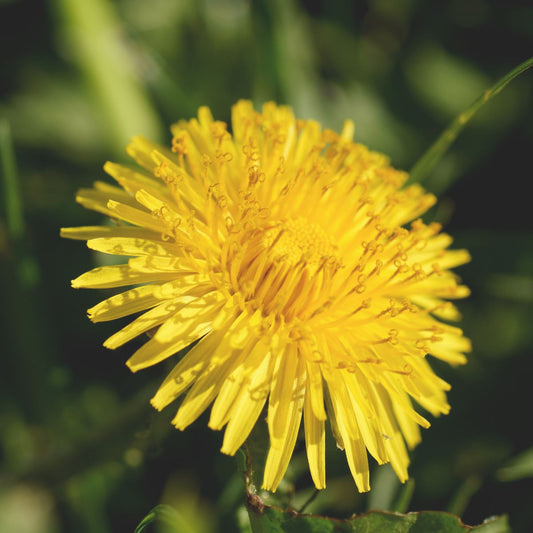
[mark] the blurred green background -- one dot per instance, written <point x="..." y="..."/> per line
<point x="80" y="447"/>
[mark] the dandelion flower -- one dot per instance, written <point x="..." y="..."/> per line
<point x="295" y="263"/>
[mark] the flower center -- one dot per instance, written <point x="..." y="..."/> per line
<point x="299" y="240"/>
<point x="284" y="268"/>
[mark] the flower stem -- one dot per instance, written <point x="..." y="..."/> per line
<point x="464" y="494"/>
<point x="13" y="202"/>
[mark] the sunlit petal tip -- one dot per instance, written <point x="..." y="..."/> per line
<point x="179" y="423"/>
<point x="132" y="366"/>
<point x="158" y="402"/>
<point x="109" y="344"/>
<point x="467" y="256"/>
<point x="93" y="318"/>
<point x="110" y="167"/>
<point x="135" y="366"/>
<point x="445" y="409"/>
<point x="67" y="232"/>
<point x="464" y="292"/>
<point x="296" y="266"/>
<point x="348" y="130"/>
<point x="364" y="487"/>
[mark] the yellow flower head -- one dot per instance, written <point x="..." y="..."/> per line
<point x="296" y="260"/>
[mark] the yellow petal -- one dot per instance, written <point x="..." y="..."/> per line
<point x="172" y="265"/>
<point x="453" y="258"/>
<point x="450" y="347"/>
<point x="132" y="246"/>
<point x="237" y="381"/>
<point x="348" y="429"/>
<point x="141" y="150"/>
<point x="133" y="215"/>
<point x="183" y="328"/>
<point x="393" y="439"/>
<point x="140" y="325"/>
<point x="438" y="307"/>
<point x="107" y="277"/>
<point x="207" y="385"/>
<point x="315" y="441"/>
<point x="249" y="404"/>
<point x="186" y="371"/>
<point x="225" y="359"/>
<point x="358" y="462"/>
<point x="281" y="448"/>
<point x="155" y="316"/>
<point x="191" y="192"/>
<point x="315" y="386"/>
<point x="98" y="197"/>
<point x="124" y="304"/>
<point x="366" y="418"/>
<point x="205" y="307"/>
<point x="133" y="180"/>
<point x="409" y="428"/>
<point x="84" y="233"/>
<point x="284" y="389"/>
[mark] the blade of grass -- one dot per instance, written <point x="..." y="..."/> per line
<point x="13" y="203"/>
<point x="95" y="32"/>
<point x="401" y="505"/>
<point x="429" y="159"/>
<point x="27" y="271"/>
<point x="26" y="334"/>
<point x="384" y="489"/>
<point x="464" y="494"/>
<point x="519" y="467"/>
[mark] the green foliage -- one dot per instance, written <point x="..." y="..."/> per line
<point x="430" y="158"/>
<point x="166" y="518"/>
<point x="519" y="467"/>
<point x="13" y="207"/>
<point x="272" y="520"/>
<point x="107" y="66"/>
<point x="268" y="518"/>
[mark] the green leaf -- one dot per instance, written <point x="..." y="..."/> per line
<point x="26" y="267"/>
<point x="94" y="33"/>
<point x="273" y="520"/>
<point x="404" y="497"/>
<point x="430" y="158"/>
<point x="519" y="467"/>
<point x="166" y="518"/>
<point x="11" y="188"/>
<point x="270" y="519"/>
<point x="464" y="494"/>
<point x="384" y="489"/>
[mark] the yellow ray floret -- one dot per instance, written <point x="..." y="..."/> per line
<point x="297" y="262"/>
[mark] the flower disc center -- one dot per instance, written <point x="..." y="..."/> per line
<point x="298" y="239"/>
